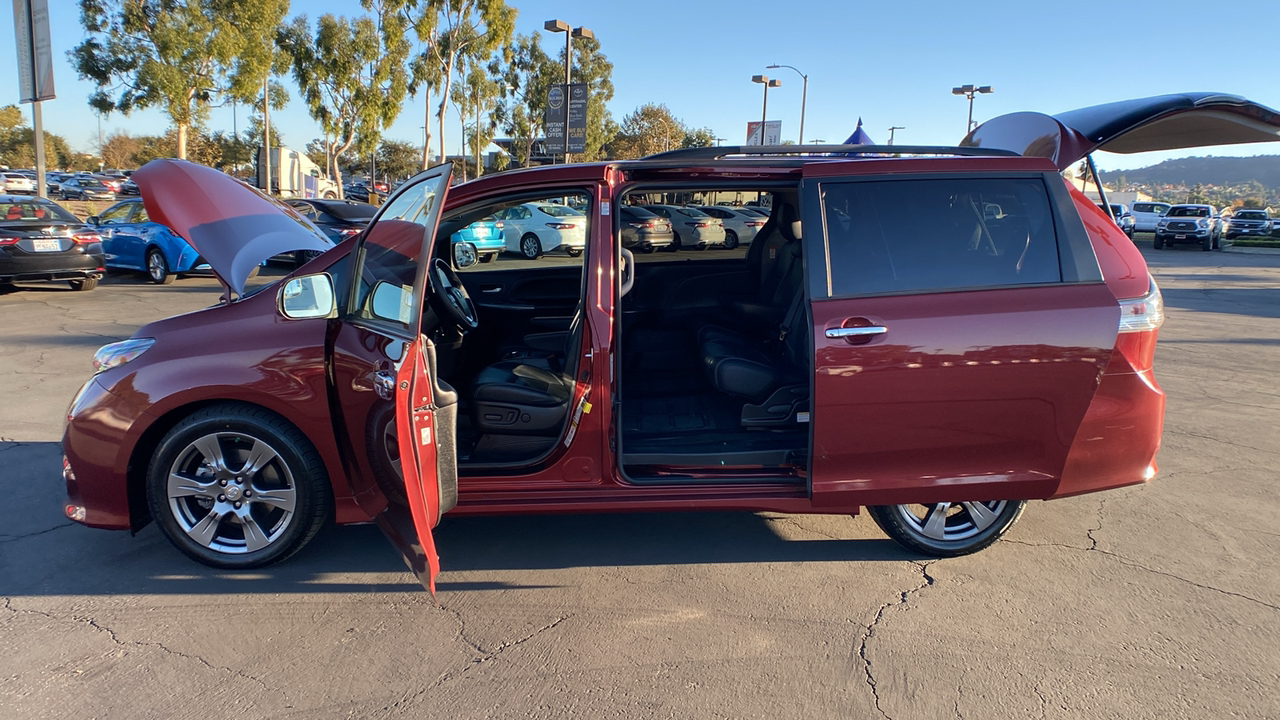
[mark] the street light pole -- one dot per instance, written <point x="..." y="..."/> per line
<point x="764" y="111"/>
<point x="970" y="91"/>
<point x="804" y="96"/>
<point x="569" y="35"/>
<point x="891" y="129"/>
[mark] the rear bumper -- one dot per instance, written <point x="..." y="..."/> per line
<point x="34" y="267"/>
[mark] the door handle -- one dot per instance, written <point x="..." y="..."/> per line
<point x="384" y="383"/>
<point x="490" y="288"/>
<point x="836" y="333"/>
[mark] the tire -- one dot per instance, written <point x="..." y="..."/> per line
<point x="1207" y="244"/>
<point x="1158" y="243"/>
<point x="84" y="285"/>
<point x="293" y="480"/>
<point x="961" y="533"/>
<point x="488" y="257"/>
<point x="573" y="252"/>
<point x="302" y="257"/>
<point x="700" y="246"/>
<point x="646" y="249"/>
<point x="158" y="268"/>
<point x="330" y="196"/>
<point x="730" y="240"/>
<point x="531" y="246"/>
<point x="675" y="242"/>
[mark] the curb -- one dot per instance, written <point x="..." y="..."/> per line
<point x="1251" y="250"/>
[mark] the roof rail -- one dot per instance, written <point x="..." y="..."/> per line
<point x="722" y="151"/>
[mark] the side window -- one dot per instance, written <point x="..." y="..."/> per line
<point x="306" y="210"/>
<point x="900" y="236"/>
<point x="140" y="215"/>
<point x="544" y="231"/>
<point x="118" y="214"/>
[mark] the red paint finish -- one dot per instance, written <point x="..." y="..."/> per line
<point x="1122" y="264"/>
<point x="980" y="388"/>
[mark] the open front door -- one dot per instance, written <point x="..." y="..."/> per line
<point x="397" y="419"/>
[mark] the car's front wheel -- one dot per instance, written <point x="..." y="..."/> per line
<point x="1158" y="243"/>
<point x="730" y="240"/>
<point x="234" y="486"/>
<point x="948" y="529"/>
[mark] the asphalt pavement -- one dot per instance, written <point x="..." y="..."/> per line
<point x="1157" y="601"/>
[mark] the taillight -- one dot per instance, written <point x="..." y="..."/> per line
<point x="86" y="238"/>
<point x="755" y="224"/>
<point x="350" y="232"/>
<point x="698" y="224"/>
<point x="1144" y="313"/>
<point x="561" y="226"/>
<point x="641" y="225"/>
<point x="498" y="225"/>
<point x="8" y="241"/>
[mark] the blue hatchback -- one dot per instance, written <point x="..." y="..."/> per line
<point x="132" y="242"/>
<point x="485" y="234"/>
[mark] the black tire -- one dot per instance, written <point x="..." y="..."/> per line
<point x="293" y="474"/>
<point x="158" y="268"/>
<point x="961" y="532"/>
<point x="1207" y="244"/>
<point x="84" y="285"/>
<point x="573" y="252"/>
<point x="1158" y="243"/>
<point x="700" y="246"/>
<point x="488" y="257"/>
<point x="531" y="246"/>
<point x="675" y="242"/>
<point x="730" y="239"/>
<point x="646" y="248"/>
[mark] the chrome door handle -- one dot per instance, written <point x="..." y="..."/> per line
<point x="836" y="333"/>
<point x="384" y="383"/>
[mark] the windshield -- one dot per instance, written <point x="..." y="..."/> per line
<point x="1189" y="212"/>
<point x="1251" y="215"/>
<point x="559" y="211"/>
<point x="35" y="211"/>
<point x="691" y="212"/>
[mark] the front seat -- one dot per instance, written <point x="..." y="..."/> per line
<point x="526" y="396"/>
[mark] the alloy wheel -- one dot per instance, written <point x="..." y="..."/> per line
<point x="950" y="522"/>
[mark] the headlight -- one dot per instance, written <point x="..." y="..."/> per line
<point x="119" y="353"/>
<point x="1202" y="223"/>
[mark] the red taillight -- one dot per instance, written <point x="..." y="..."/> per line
<point x="498" y="225"/>
<point x="8" y="241"/>
<point x="755" y="224"/>
<point x="698" y="224"/>
<point x="561" y="226"/>
<point x="86" y="238"/>
<point x="1144" y="313"/>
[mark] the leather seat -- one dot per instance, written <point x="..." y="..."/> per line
<point x="751" y="371"/>
<point x="527" y="396"/>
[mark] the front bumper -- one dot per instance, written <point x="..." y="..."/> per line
<point x="99" y="432"/>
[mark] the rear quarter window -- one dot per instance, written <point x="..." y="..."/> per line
<point x="903" y="236"/>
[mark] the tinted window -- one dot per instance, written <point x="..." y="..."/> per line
<point x="1251" y="215"/>
<point x="919" y="235"/>
<point x="1189" y="212"/>
<point x="691" y="212"/>
<point x="351" y="210"/>
<point x="1150" y="207"/>
<point x="636" y="213"/>
<point x="559" y="211"/>
<point x="35" y="210"/>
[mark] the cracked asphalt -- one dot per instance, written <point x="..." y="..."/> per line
<point x="1156" y="601"/>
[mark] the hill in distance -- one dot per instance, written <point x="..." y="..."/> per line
<point x="1221" y="171"/>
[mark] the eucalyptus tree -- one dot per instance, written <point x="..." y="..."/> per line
<point x="527" y="78"/>
<point x="178" y="55"/>
<point x="351" y="73"/>
<point x="477" y="95"/>
<point x="452" y="31"/>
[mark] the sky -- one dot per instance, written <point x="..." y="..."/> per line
<point x="888" y="63"/>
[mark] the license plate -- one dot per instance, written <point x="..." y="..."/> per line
<point x="1179" y="237"/>
<point x="47" y="244"/>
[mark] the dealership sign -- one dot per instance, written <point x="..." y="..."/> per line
<point x="35" y="52"/>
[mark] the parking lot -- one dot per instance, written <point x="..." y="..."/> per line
<point x="1155" y="601"/>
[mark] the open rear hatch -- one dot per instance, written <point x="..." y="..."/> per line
<point x="1164" y="122"/>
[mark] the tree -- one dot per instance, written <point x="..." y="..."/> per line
<point x="1197" y="195"/>
<point x="179" y="56"/>
<point x="118" y="150"/>
<point x="528" y="77"/>
<point x="701" y="137"/>
<point x="351" y="74"/>
<point x="452" y="31"/>
<point x="590" y="66"/>
<point x="398" y="159"/>
<point x="1253" y="202"/>
<point x="476" y="96"/>
<point x="647" y="130"/>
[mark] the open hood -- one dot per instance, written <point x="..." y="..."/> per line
<point x="1164" y="122"/>
<point x="233" y="226"/>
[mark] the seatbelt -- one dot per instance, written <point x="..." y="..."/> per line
<point x="792" y="317"/>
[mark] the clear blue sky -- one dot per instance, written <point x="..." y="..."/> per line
<point x="890" y="63"/>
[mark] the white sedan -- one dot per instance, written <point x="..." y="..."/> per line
<point x="693" y="228"/>
<point x="535" y="228"/>
<point x="740" y="227"/>
<point x="17" y="183"/>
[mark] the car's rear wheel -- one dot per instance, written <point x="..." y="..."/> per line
<point x="488" y="257"/>
<point x="158" y="267"/>
<point x="573" y="252"/>
<point x="730" y="239"/>
<point x="948" y="529"/>
<point x="234" y="486"/>
<point x="531" y="246"/>
<point x="85" y="284"/>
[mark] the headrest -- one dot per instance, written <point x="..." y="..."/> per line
<point x="789" y="221"/>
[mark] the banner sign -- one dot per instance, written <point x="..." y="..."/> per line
<point x="566" y="108"/>
<point x="772" y="133"/>
<point x="35" y="51"/>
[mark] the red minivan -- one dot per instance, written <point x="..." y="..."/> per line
<point x="938" y="335"/>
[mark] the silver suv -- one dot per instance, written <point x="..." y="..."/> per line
<point x="1147" y="214"/>
<point x="1248" y="222"/>
<point x="1189" y="224"/>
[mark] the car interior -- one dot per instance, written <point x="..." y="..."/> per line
<point x="713" y="356"/>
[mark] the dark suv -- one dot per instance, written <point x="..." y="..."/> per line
<point x="938" y="335"/>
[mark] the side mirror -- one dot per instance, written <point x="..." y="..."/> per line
<point x="392" y="302"/>
<point x="309" y="296"/>
<point x="464" y="255"/>
<point x="94" y="220"/>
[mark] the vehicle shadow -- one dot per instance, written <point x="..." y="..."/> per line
<point x="44" y="554"/>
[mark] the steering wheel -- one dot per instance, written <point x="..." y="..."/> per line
<point x="450" y="298"/>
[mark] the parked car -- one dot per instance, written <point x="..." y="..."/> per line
<point x="935" y="367"/>
<point x="40" y="241"/>
<point x="1147" y="214"/>
<point x="17" y="183"/>
<point x="1120" y="213"/>
<point x="644" y="230"/>
<point x="693" y="229"/>
<point x="132" y="241"/>
<point x="337" y="219"/>
<point x="739" y="227"/>
<point x="1245" y="223"/>
<point x="1189" y="224"/>
<point x="484" y="238"/>
<point x="129" y="187"/>
<point x="535" y="228"/>
<point x="86" y="188"/>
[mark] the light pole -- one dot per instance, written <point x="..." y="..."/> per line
<point x="891" y="129"/>
<point x="720" y="140"/>
<point x="569" y="35"/>
<point x="970" y="91"/>
<point x="764" y="111"/>
<point x="804" y="95"/>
